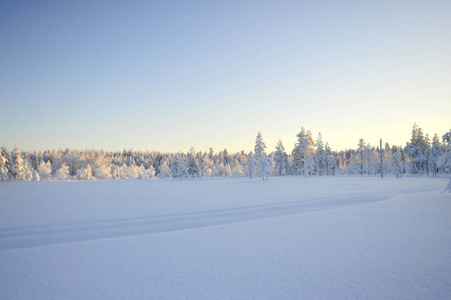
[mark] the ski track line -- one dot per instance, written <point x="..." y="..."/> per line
<point x="66" y="233"/>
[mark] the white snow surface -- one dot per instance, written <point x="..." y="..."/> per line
<point x="286" y="238"/>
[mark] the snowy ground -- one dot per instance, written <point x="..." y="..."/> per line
<point x="288" y="238"/>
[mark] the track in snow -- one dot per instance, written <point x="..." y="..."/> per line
<point x="56" y="234"/>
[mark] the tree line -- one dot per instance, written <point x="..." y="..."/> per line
<point x="309" y="157"/>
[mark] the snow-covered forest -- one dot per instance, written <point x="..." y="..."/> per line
<point x="310" y="156"/>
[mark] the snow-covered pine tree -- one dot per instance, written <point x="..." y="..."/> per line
<point x="85" y="173"/>
<point x="342" y="163"/>
<point x="220" y="169"/>
<point x="331" y="164"/>
<point x="396" y="164"/>
<point x="251" y="165"/>
<point x="151" y="171"/>
<point x="259" y="146"/>
<point x="182" y="168"/>
<point x="8" y="162"/>
<point x="434" y="154"/>
<point x="280" y="159"/>
<point x="309" y="166"/>
<point x="193" y="164"/>
<point x="304" y="148"/>
<point x="36" y="176"/>
<point x="328" y="153"/>
<point x="206" y="166"/>
<point x="446" y="157"/>
<point x="115" y="172"/>
<point x="3" y="168"/>
<point x="237" y="168"/>
<point x="45" y="170"/>
<point x="62" y="173"/>
<point x="102" y="171"/>
<point x="228" y="171"/>
<point x="371" y="160"/>
<point x="165" y="172"/>
<point x="175" y="166"/>
<point x="422" y="146"/>
<point x="264" y="163"/>
<point x="416" y="150"/>
<point x="361" y="148"/>
<point x="17" y="164"/>
<point x="27" y="174"/>
<point x="320" y="156"/>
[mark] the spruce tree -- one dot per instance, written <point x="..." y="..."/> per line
<point x="8" y="162"/>
<point x="175" y="166"/>
<point x="264" y="163"/>
<point x="193" y="164"/>
<point x="165" y="172"/>
<point x="320" y="156"/>
<point x="3" y="168"/>
<point x="182" y="168"/>
<point x="280" y="159"/>
<point x="303" y="148"/>
<point x="259" y="146"/>
<point x="360" y="150"/>
<point x="397" y="164"/>
<point x="17" y="164"/>
<point x="250" y="165"/>
<point x="434" y="154"/>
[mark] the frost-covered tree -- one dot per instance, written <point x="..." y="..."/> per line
<point x="434" y="154"/>
<point x="445" y="159"/>
<point x="309" y="166"/>
<point x="328" y="154"/>
<point x="206" y="166"/>
<point x="228" y="171"/>
<point x="102" y="171"/>
<point x="8" y="162"/>
<point x="182" y="168"/>
<point x="85" y="173"/>
<point x="342" y="163"/>
<point x="361" y="148"/>
<point x="175" y="166"/>
<point x="280" y="159"/>
<point x="133" y="171"/>
<point x="36" y="176"/>
<point x="165" y="172"/>
<point x="303" y="148"/>
<point x="193" y="164"/>
<point x="3" y="168"/>
<point x="144" y="173"/>
<point x="236" y="169"/>
<point x="45" y="170"/>
<point x="62" y="173"/>
<point x="260" y="146"/>
<point x="371" y="160"/>
<point x="417" y="150"/>
<point x="331" y="165"/>
<point x="27" y="173"/>
<point x="17" y="164"/>
<point x="320" y="155"/>
<point x="251" y="168"/>
<point x="264" y="163"/>
<point x="397" y="164"/>
<point x="115" y="172"/>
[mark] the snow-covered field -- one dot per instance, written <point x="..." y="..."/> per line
<point x="288" y="238"/>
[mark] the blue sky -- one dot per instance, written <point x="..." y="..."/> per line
<point x="168" y="75"/>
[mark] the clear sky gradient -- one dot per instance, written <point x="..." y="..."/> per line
<point x="168" y="75"/>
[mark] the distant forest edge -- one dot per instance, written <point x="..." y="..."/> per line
<point x="419" y="156"/>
